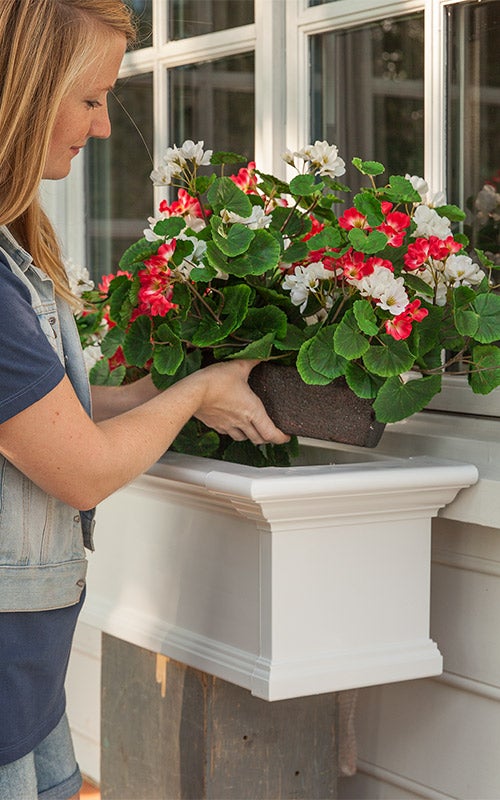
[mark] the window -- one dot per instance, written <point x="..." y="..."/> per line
<point x="414" y="84"/>
<point x="473" y="119"/>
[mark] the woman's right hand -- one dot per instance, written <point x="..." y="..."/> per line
<point x="230" y="407"/>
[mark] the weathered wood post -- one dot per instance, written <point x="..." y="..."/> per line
<point x="170" y="732"/>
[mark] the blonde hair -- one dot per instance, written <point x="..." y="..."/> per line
<point x="46" y="47"/>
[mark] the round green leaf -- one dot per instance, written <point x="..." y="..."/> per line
<point x="398" y="400"/>
<point x="388" y="359"/>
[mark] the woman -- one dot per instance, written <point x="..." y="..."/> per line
<point x="58" y="61"/>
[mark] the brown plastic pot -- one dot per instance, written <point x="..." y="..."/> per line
<point x="332" y="412"/>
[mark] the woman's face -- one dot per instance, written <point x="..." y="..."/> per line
<point x="84" y="113"/>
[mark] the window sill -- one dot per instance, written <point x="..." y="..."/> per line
<point x="464" y="438"/>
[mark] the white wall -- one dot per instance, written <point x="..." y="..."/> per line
<point x="83" y="690"/>
<point x="440" y="738"/>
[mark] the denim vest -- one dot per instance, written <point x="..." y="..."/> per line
<point x="42" y="540"/>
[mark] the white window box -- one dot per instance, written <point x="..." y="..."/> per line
<point x="288" y="582"/>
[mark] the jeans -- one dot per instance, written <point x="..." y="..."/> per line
<point x="49" y="772"/>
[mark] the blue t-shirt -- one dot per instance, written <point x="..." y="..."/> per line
<point x="34" y="645"/>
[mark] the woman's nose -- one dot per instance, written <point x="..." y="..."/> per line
<point x="101" y="125"/>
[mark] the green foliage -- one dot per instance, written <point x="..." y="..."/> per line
<point x="270" y="271"/>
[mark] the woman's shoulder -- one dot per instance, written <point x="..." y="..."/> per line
<point x="11" y="286"/>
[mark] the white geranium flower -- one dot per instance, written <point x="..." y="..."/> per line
<point x="191" y="151"/>
<point x="303" y="281"/>
<point x="162" y="176"/>
<point x="435" y="278"/>
<point x="462" y="271"/>
<point x="257" y="219"/>
<point x="429" y="223"/>
<point x="149" y="233"/>
<point x="288" y="157"/>
<point x="91" y="355"/>
<point x="324" y="158"/>
<point x="388" y="292"/>
<point x="78" y="277"/>
<point x="422" y="187"/>
<point x="419" y="184"/>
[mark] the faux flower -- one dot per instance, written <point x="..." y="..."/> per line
<point x="249" y="265"/>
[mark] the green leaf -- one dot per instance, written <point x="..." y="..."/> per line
<point x="400" y="190"/>
<point x="417" y="284"/>
<point x="348" y="340"/>
<point x="190" y="363"/>
<point x="260" y="321"/>
<point x="466" y="320"/>
<point x="305" y="185"/>
<point x="112" y="341"/>
<point x="296" y="252"/>
<point x="167" y="358"/>
<point x="209" y="330"/>
<point x="368" y="167"/>
<point x="425" y="334"/>
<point x="195" y="439"/>
<point x="102" y="375"/>
<point x="453" y="213"/>
<point x="484" y="375"/>
<point x="168" y="355"/>
<point x="371" y="207"/>
<point x="233" y="239"/>
<point x="322" y="356"/>
<point x="368" y="243"/>
<point x="361" y="382"/>
<point x="292" y="340"/>
<point x="260" y="348"/>
<point x="121" y="304"/>
<point x="137" y="253"/>
<point x="365" y="317"/>
<point x="329" y="238"/>
<point x="226" y="157"/>
<point x="388" y="359"/>
<point x="291" y="221"/>
<point x="488" y="308"/>
<point x="225" y="194"/>
<point x="169" y="228"/>
<point x="202" y="274"/>
<point x="397" y="400"/>
<point x="244" y="453"/>
<point x="183" y="249"/>
<point x="262" y="255"/>
<point x="137" y="346"/>
<point x="306" y="370"/>
<point x="203" y="182"/>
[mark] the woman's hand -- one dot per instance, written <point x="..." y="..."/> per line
<point x="229" y="405"/>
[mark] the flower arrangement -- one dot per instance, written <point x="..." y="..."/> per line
<point x="251" y="266"/>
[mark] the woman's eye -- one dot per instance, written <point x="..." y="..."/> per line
<point x="92" y="103"/>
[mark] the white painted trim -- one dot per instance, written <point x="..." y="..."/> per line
<point x="400" y="782"/>
<point x="469" y="685"/>
<point x="449" y="558"/>
<point x="349" y="13"/>
<point x="266" y="678"/>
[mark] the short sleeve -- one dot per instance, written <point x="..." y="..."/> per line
<point x="29" y="366"/>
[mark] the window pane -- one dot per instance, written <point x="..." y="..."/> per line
<point x="214" y="102"/>
<point x="195" y="17"/>
<point x="143" y="13"/>
<point x="474" y="119"/>
<point x="368" y="93"/>
<point x="119" y="193"/>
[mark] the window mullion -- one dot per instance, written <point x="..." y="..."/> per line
<point x="270" y="83"/>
